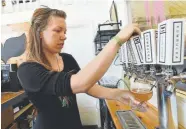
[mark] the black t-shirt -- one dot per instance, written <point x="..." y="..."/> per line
<point x="51" y="94"/>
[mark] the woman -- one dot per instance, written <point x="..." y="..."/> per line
<point x="52" y="79"/>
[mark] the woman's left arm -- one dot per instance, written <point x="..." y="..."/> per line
<point x="123" y="96"/>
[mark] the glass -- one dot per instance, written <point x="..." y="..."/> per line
<point x="142" y="92"/>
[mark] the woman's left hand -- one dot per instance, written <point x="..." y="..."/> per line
<point x="125" y="97"/>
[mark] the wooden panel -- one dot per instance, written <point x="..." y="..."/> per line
<point x="14" y="126"/>
<point x="150" y="13"/>
<point x="7" y="117"/>
<point x="20" y="27"/>
<point x="14" y="30"/>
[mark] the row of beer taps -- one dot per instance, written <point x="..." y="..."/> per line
<point x="153" y="74"/>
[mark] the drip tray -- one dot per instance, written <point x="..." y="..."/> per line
<point x="129" y="120"/>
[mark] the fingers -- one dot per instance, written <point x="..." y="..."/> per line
<point x="137" y="30"/>
<point x="128" y="99"/>
<point x="144" y="105"/>
<point x="125" y="101"/>
<point x="125" y="98"/>
<point x="135" y="24"/>
<point x="134" y="101"/>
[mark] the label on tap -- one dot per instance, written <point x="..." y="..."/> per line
<point x="129" y="56"/>
<point x="177" y="42"/>
<point x="147" y="47"/>
<point x="156" y="36"/>
<point x="138" y="46"/>
<point x="133" y="59"/>
<point x="162" y="43"/>
<point x="136" y="50"/>
<point x="120" y="54"/>
<point x="123" y="54"/>
<point x="171" y="42"/>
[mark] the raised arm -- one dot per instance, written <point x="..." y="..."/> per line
<point x="89" y="75"/>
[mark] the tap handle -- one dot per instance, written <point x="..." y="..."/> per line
<point x="167" y="93"/>
<point x="135" y="79"/>
<point x="147" y="71"/>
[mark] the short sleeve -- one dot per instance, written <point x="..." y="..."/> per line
<point x="71" y="62"/>
<point x="76" y="65"/>
<point x="36" y="78"/>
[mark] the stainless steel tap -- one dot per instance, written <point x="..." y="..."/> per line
<point x="166" y="96"/>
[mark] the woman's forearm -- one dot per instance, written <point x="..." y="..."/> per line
<point x="103" y="92"/>
<point x="92" y="72"/>
<point x="123" y="96"/>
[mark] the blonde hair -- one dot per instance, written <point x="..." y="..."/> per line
<point x="39" y="22"/>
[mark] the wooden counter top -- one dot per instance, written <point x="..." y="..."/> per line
<point x="149" y="118"/>
<point x="6" y="96"/>
<point x="11" y="98"/>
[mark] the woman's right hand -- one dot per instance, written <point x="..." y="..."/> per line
<point x="127" y="32"/>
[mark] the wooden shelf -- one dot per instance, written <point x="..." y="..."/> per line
<point x="11" y="98"/>
<point x="22" y="111"/>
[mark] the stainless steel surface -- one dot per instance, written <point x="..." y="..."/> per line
<point x="167" y="105"/>
<point x="129" y="120"/>
<point x="162" y="107"/>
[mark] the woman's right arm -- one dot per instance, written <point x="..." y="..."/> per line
<point x="35" y="78"/>
<point x="89" y="75"/>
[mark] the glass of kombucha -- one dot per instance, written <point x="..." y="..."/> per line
<point x="142" y="92"/>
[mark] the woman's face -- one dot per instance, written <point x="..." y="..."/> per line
<point x="54" y="35"/>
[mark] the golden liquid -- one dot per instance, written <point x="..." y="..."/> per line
<point x="141" y="94"/>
